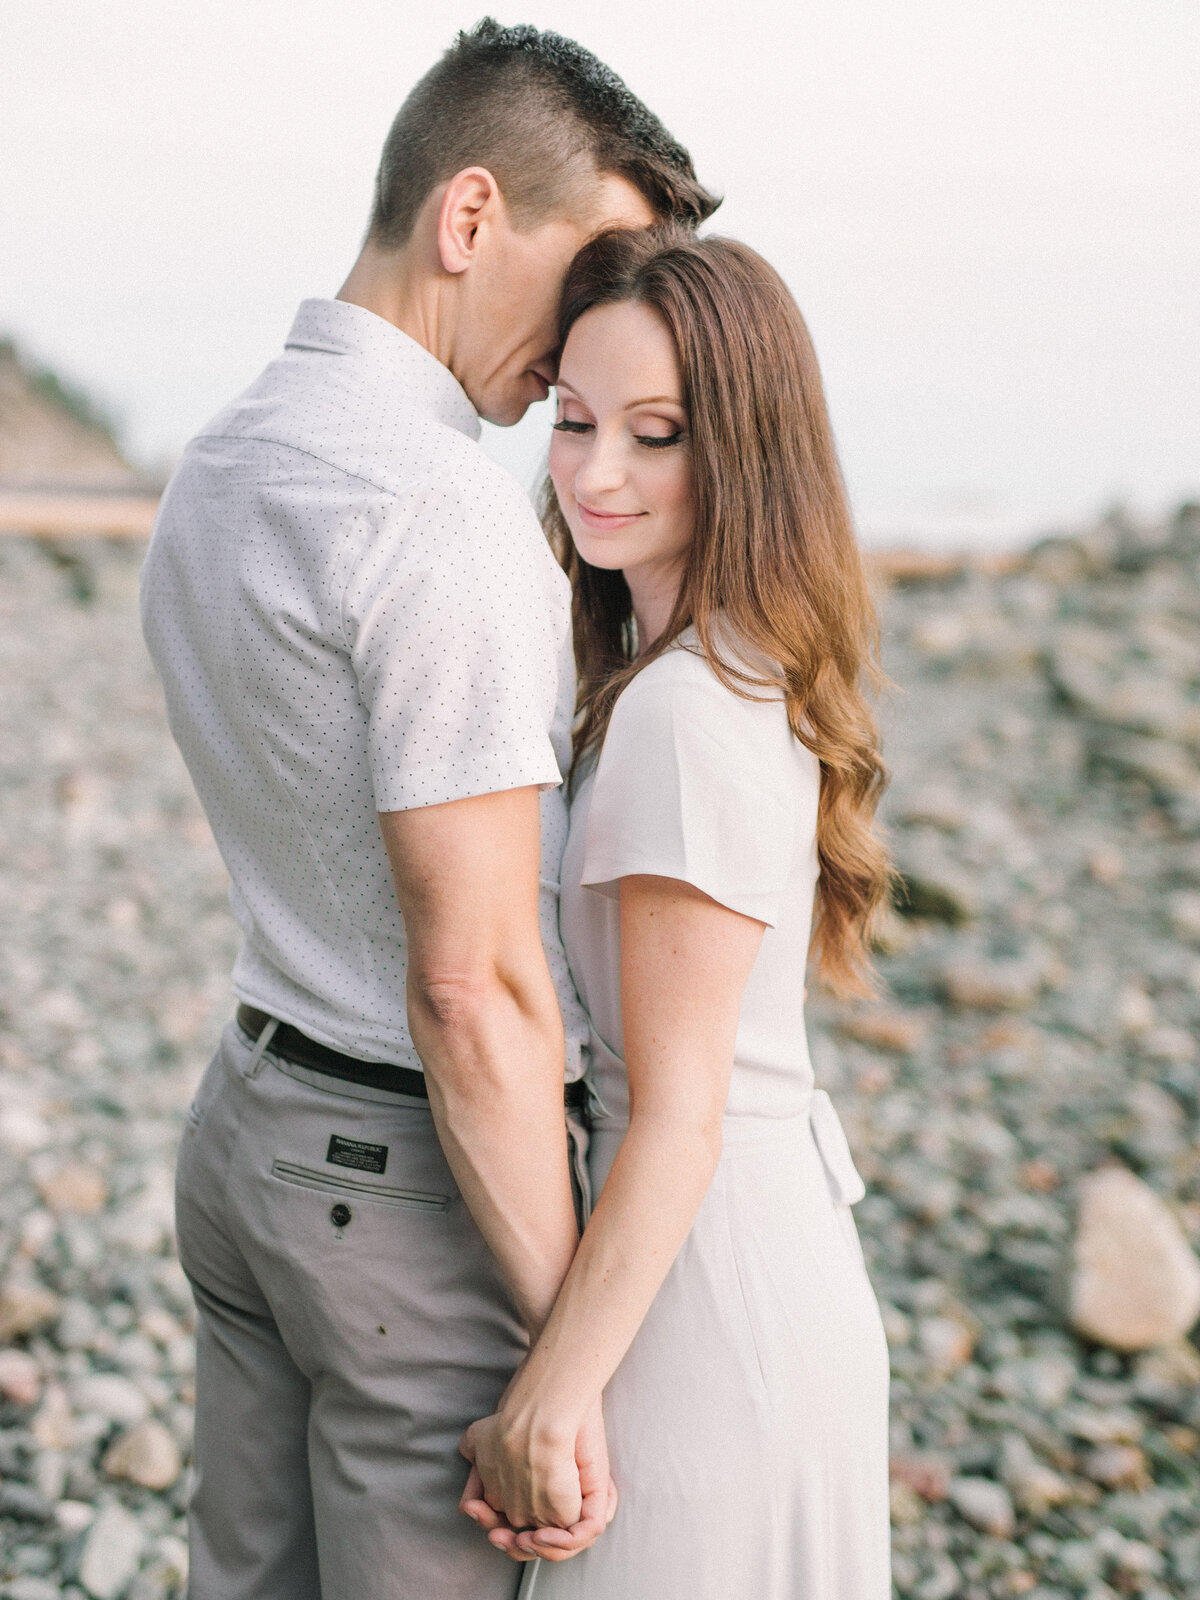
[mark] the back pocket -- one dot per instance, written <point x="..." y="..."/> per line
<point x="309" y="1178"/>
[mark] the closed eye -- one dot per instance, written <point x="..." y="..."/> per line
<point x="659" y="442"/>
<point x="563" y="426"/>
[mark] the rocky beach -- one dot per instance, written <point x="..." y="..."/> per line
<point x="1023" y="1098"/>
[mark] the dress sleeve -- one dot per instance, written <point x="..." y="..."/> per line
<point x="689" y="785"/>
<point x="456" y="618"/>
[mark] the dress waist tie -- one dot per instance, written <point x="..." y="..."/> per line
<point x="830" y="1137"/>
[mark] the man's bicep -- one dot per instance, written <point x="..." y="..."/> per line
<point x="456" y="652"/>
<point x="466" y="873"/>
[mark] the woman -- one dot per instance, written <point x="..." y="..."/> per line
<point x="726" y="772"/>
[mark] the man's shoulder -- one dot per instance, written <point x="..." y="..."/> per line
<point x="385" y="440"/>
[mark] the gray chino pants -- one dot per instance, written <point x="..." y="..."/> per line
<point x="351" y="1323"/>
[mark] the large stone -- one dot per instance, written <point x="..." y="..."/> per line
<point x="1117" y="1466"/>
<point x="897" y="1031"/>
<point x="111" y="1552"/>
<point x="974" y="984"/>
<point x="923" y="1472"/>
<point x="932" y="888"/>
<point x="1168" y="769"/>
<point x="112" y="1397"/>
<point x="54" y="1425"/>
<point x="74" y="1190"/>
<point x="1184" y="911"/>
<point x="1034" y="1486"/>
<point x="146" y="1455"/>
<point x="985" y="1505"/>
<point x="1136" y="1282"/>
<point x="24" y="1503"/>
<point x="946" y="1343"/>
<point x="24" y="1307"/>
<point x="20" y="1379"/>
<point x="1167" y="1373"/>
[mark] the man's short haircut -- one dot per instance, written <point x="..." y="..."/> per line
<point x="544" y="116"/>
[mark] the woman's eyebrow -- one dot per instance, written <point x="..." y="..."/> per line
<point x="649" y="400"/>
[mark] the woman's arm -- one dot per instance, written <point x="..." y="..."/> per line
<point x="685" y="961"/>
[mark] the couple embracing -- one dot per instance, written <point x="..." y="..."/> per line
<point x="513" y="1147"/>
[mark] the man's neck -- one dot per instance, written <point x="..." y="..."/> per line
<point x="392" y="285"/>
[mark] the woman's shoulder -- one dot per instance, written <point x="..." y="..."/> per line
<point x="684" y="672"/>
<point x="681" y="689"/>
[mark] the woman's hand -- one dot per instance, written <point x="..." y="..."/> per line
<point x="534" y="1490"/>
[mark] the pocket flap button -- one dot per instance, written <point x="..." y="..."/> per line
<point x="340" y="1215"/>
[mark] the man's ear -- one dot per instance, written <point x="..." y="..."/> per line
<point x="471" y="197"/>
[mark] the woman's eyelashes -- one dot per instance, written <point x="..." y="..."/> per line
<point x="651" y="441"/>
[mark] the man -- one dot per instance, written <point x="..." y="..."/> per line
<point x="365" y="648"/>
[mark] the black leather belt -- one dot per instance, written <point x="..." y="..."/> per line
<point x="297" y="1047"/>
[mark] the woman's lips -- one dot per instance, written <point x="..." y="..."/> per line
<point x="605" y="521"/>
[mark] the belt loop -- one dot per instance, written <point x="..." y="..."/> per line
<point x="255" y="1064"/>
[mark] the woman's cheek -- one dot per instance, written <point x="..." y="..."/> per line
<point x="556" y="466"/>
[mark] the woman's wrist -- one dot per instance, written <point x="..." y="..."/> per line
<point x="546" y="1408"/>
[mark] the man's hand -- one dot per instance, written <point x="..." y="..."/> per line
<point x="500" y="1466"/>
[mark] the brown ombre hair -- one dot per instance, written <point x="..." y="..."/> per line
<point x="773" y="565"/>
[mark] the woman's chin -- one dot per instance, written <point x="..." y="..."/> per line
<point x="600" y="553"/>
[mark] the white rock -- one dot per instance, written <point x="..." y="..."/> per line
<point x="1184" y="912"/>
<point x="110" y="1553"/>
<point x="23" y="1128"/>
<point x="31" y="1588"/>
<point x="181" y="1356"/>
<point x="111" y="1396"/>
<point x="984" y="1504"/>
<point x="1035" y="1487"/>
<point x="73" y="1516"/>
<point x="54" y="1425"/>
<point x="78" y="1326"/>
<point x="946" y="1343"/>
<point x="1046" y="1379"/>
<point x="1174" y="1366"/>
<point x="146" y="1455"/>
<point x="1136" y="1282"/>
<point x="1134" y="1011"/>
<point x="34" y="1232"/>
<point x="171" y="1556"/>
<point x="897" y="1326"/>
<point x="158" y="1324"/>
<point x="50" y="1470"/>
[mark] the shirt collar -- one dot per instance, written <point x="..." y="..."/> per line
<point x="338" y="328"/>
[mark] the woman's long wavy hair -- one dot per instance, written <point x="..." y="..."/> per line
<point x="773" y="563"/>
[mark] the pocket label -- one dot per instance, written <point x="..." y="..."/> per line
<point x="357" y="1154"/>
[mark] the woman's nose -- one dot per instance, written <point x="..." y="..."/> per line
<point x="602" y="469"/>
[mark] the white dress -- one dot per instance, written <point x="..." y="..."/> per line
<point x="747" y="1424"/>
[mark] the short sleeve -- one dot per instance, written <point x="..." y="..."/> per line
<point x="697" y="784"/>
<point x="456" y="616"/>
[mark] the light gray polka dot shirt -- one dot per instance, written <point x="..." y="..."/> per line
<point x="353" y="609"/>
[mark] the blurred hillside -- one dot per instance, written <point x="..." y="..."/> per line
<point x="53" y="436"/>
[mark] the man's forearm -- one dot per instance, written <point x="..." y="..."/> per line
<point x="494" y="1066"/>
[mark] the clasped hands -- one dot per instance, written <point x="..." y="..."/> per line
<point x="538" y="1487"/>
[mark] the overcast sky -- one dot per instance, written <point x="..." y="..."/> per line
<point x="989" y="211"/>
